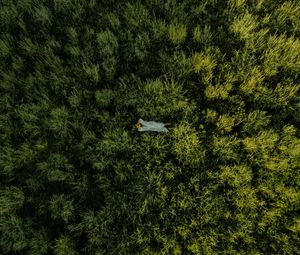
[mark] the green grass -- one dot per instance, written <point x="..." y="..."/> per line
<point x="77" y="177"/>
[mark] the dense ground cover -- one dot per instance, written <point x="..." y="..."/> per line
<point x="78" y="178"/>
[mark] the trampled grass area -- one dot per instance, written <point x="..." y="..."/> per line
<point x="77" y="177"/>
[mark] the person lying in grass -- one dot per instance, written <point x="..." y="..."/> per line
<point x="143" y="125"/>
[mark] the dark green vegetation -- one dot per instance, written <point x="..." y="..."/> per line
<point x="78" y="178"/>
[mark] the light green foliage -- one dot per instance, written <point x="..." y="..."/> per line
<point x="254" y="80"/>
<point x="257" y="89"/>
<point x="256" y="120"/>
<point x="161" y="98"/>
<point x="226" y="148"/>
<point x="244" y="26"/>
<point x="290" y="146"/>
<point x="287" y="15"/>
<point x="264" y="140"/>
<point x="226" y="123"/>
<point x="284" y="93"/>
<point x="296" y="226"/>
<point x="211" y="116"/>
<point x="236" y="176"/>
<point x="203" y="35"/>
<point x="187" y="145"/>
<point x="177" y="33"/>
<point x="237" y="3"/>
<point x="218" y="91"/>
<point x="203" y="62"/>
<point x="283" y="52"/>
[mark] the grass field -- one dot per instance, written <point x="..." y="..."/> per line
<point x="77" y="177"/>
